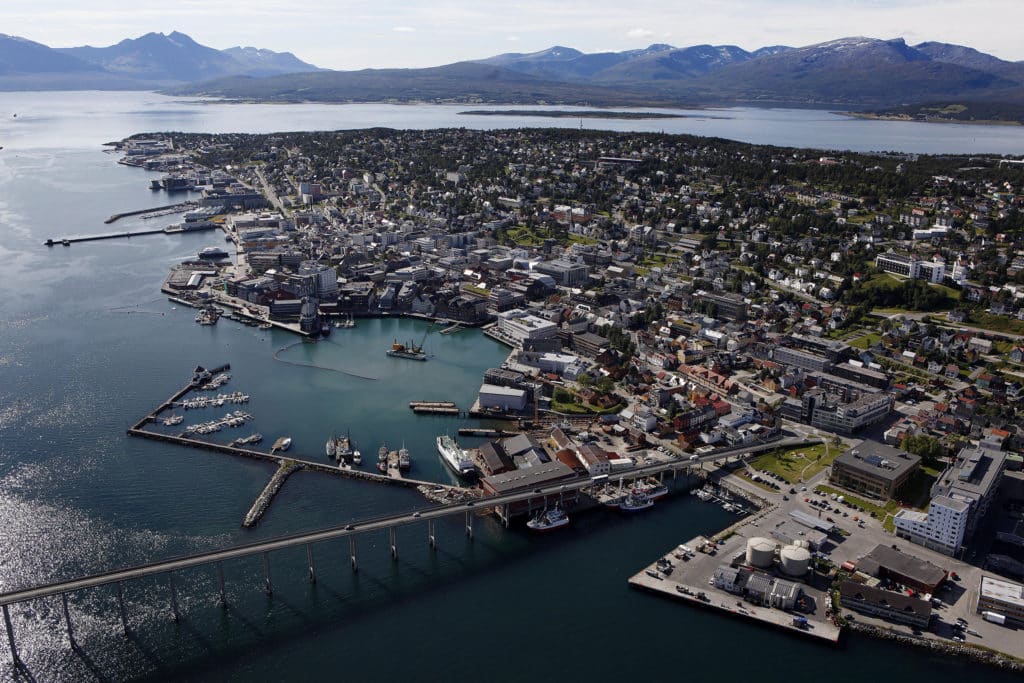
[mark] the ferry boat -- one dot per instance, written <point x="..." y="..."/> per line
<point x="635" y="501"/>
<point x="547" y="520"/>
<point x="410" y="351"/>
<point x="404" y="460"/>
<point x="212" y="253"/>
<point x="454" y="456"/>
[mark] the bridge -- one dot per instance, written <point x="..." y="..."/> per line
<point x="351" y="531"/>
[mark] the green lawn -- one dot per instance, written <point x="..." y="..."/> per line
<point x="797" y="464"/>
<point x="867" y="341"/>
<point x="997" y="323"/>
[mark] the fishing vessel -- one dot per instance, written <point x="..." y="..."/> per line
<point x="454" y="456"/>
<point x="635" y="501"/>
<point x="548" y="519"/>
<point x="404" y="459"/>
<point x="343" y="448"/>
<point x="382" y="458"/>
<point x="330" y="447"/>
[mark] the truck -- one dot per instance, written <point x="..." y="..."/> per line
<point x="994" y="617"/>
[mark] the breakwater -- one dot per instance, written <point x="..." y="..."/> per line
<point x="266" y="496"/>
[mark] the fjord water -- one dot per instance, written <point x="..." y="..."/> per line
<point x="88" y="345"/>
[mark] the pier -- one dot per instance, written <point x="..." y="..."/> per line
<point x="263" y="501"/>
<point x="492" y="433"/>
<point x="436" y="408"/>
<point x="169" y="208"/>
<point x="68" y="241"/>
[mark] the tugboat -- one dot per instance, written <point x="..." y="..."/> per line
<point x="548" y="520"/>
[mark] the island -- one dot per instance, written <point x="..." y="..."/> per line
<point x="586" y="114"/>
<point x="828" y="345"/>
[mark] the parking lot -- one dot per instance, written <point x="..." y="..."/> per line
<point x="957" y="598"/>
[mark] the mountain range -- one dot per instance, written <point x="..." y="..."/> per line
<point x="855" y="73"/>
<point x="154" y="60"/>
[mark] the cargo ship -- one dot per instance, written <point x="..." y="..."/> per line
<point x="455" y="457"/>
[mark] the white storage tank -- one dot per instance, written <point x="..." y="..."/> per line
<point x="760" y="552"/>
<point x="795" y="560"/>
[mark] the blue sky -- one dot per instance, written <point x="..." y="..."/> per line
<point x="342" y="34"/>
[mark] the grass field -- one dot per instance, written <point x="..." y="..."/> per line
<point x="799" y="463"/>
<point x="867" y="341"/>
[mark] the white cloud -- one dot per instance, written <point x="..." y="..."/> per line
<point x="512" y="38"/>
<point x="639" y="33"/>
<point x="404" y="29"/>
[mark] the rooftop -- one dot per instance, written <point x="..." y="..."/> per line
<point x="885" y="557"/>
<point x="880" y="460"/>
<point x="1004" y="591"/>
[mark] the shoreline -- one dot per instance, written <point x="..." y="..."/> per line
<point x="906" y="118"/>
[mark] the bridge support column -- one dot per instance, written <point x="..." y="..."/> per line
<point x="504" y="515"/>
<point x="469" y="523"/>
<point x="267" y="586"/>
<point x="312" y="567"/>
<point x="10" y="637"/>
<point x="394" y="543"/>
<point x="430" y="534"/>
<point x="352" y="552"/>
<point x="220" y="584"/>
<point x="174" y="596"/>
<point x="121" y="609"/>
<point x="67" y="618"/>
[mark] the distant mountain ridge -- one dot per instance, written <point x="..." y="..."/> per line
<point x="854" y="72"/>
<point x="151" y="60"/>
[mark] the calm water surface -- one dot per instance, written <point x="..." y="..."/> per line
<point x="87" y="345"/>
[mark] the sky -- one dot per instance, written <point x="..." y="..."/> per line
<point x="342" y="34"/>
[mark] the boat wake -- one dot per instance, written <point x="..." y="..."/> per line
<point x="283" y="349"/>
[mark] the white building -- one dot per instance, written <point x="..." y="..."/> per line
<point x="911" y="267"/>
<point x="518" y="326"/>
<point x="941" y="528"/>
<point x="494" y="397"/>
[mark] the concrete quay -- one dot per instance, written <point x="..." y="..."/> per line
<point x="727" y="604"/>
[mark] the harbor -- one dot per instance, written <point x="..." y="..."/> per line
<point x="208" y="380"/>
